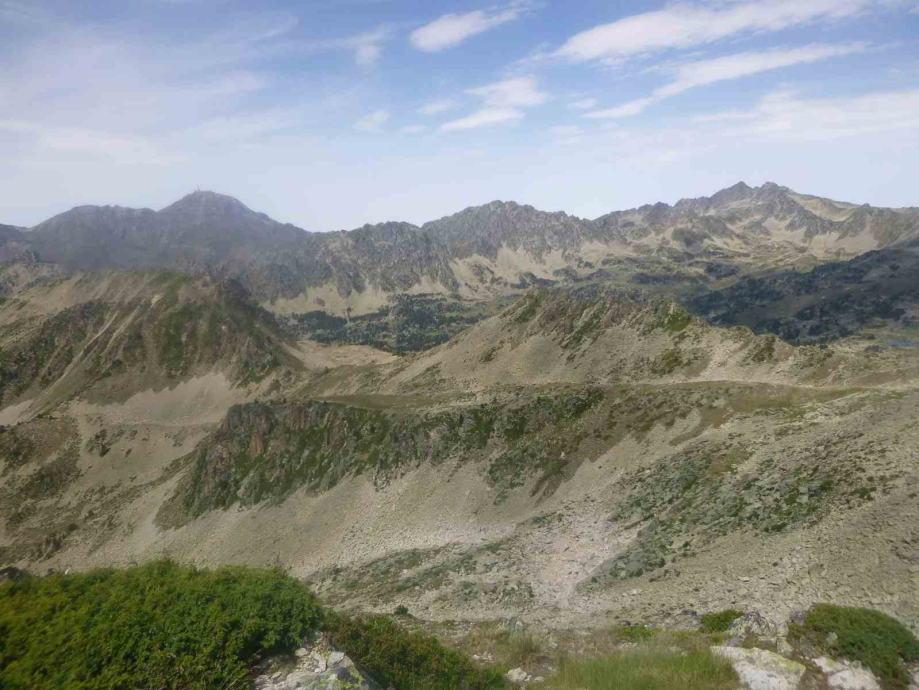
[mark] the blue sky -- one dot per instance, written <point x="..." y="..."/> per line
<point x="333" y="113"/>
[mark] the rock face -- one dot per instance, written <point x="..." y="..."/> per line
<point x="762" y="670"/>
<point x="314" y="666"/>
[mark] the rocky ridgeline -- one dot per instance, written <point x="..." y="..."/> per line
<point x="205" y="231"/>
<point x="263" y="452"/>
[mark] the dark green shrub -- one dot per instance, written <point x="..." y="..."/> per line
<point x="405" y="660"/>
<point x="401" y="610"/>
<point x="155" y="626"/>
<point x="875" y="639"/>
<point x="720" y="621"/>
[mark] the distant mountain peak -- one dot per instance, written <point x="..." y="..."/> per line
<point x="206" y="199"/>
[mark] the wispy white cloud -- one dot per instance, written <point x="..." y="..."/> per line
<point x="690" y="75"/>
<point x="502" y="102"/>
<point x="625" y="110"/>
<point x="692" y="24"/>
<point x="413" y="129"/>
<point x="703" y="72"/>
<point x="516" y="92"/>
<point x="367" y="46"/>
<point x="483" y="117"/>
<point x="784" y="116"/>
<point x="373" y="122"/>
<point x="68" y="142"/>
<point x="450" y="30"/>
<point x="584" y="104"/>
<point x="368" y="54"/>
<point x="438" y="107"/>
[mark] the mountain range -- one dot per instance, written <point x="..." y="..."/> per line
<point x="476" y="254"/>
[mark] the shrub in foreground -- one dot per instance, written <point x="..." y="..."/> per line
<point x="720" y="621"/>
<point x="875" y="639"/>
<point x="406" y="660"/>
<point x="155" y="626"/>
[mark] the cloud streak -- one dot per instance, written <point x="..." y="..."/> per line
<point x="691" y="75"/>
<point x="502" y="102"/>
<point x="784" y="117"/>
<point x="438" y="107"/>
<point x="373" y="122"/>
<point x="686" y="25"/>
<point x="483" y="117"/>
<point x="450" y="30"/>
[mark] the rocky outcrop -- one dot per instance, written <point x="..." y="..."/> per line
<point x="263" y="452"/>
<point x="317" y="665"/>
<point x="763" y="670"/>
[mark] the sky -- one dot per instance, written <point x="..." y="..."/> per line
<point x="330" y="114"/>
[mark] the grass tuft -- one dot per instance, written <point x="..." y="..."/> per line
<point x="650" y="667"/>
<point x="407" y="661"/>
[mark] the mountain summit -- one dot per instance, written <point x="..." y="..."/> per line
<point x="201" y="229"/>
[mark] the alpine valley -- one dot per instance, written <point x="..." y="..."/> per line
<point x="503" y="412"/>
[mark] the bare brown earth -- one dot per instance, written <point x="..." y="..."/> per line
<point x="570" y="461"/>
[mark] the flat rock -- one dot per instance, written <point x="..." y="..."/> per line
<point x="517" y="675"/>
<point x="846" y="675"/>
<point x="762" y="670"/>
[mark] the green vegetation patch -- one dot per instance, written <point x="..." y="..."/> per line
<point x="15" y="450"/>
<point x="764" y="349"/>
<point x="633" y="633"/>
<point x="405" y="660"/>
<point x="154" y="626"/>
<point x="410" y="323"/>
<point x="720" y="621"/>
<point x="651" y="669"/>
<point x="875" y="639"/>
<point x="528" y="307"/>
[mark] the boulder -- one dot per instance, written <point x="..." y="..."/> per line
<point x="762" y="670"/>
<point x="12" y="574"/>
<point x="751" y="624"/>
